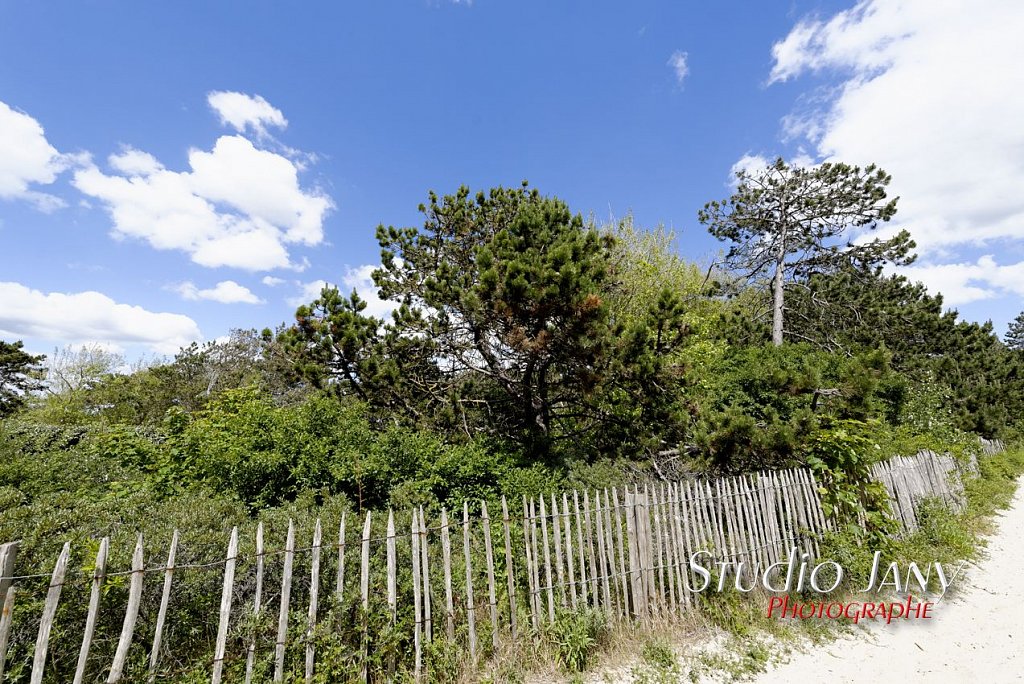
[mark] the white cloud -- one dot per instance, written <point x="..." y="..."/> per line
<point x="750" y="164"/>
<point x="307" y="292"/>
<point x="360" y="280"/>
<point x="238" y="206"/>
<point x="225" y="292"/>
<point x="74" y="317"/>
<point x="241" y="111"/>
<point x="134" y="162"/>
<point x="932" y="94"/>
<point x="27" y="159"/>
<point x="680" y="68"/>
<point x="272" y="281"/>
<point x="966" y="282"/>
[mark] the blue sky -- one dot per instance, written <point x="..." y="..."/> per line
<point x="171" y="171"/>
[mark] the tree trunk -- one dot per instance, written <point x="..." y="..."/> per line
<point x="777" y="292"/>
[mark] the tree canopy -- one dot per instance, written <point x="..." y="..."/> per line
<point x="788" y="222"/>
<point x="20" y="374"/>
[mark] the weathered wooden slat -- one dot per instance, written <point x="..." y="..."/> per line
<point x="578" y="518"/>
<point x="613" y="526"/>
<point x="801" y="516"/>
<point x="6" y="616"/>
<point x="392" y="569"/>
<point x="417" y="604"/>
<point x="428" y="624"/>
<point x="131" y="615"/>
<point x="530" y="567"/>
<point x="636" y="585"/>
<point x="314" y="597"/>
<point x="756" y="521"/>
<point x="492" y="593"/>
<point x="783" y="515"/>
<point x="470" y="603"/>
<point x="664" y="522"/>
<point x="660" y="548"/>
<point x="647" y="554"/>
<point x="225" y="608"/>
<point x="257" y="604"/>
<point x="538" y="601"/>
<point x="556" y="529"/>
<point x="588" y="522"/>
<point x="604" y="564"/>
<point x="286" y="595"/>
<point x="570" y="564"/>
<point x="679" y="558"/>
<point x="446" y="558"/>
<point x="8" y="554"/>
<point x="771" y="512"/>
<point x="547" y="562"/>
<point x="725" y="514"/>
<point x="509" y="570"/>
<point x="364" y="594"/>
<point x="49" y="612"/>
<point x="95" y="596"/>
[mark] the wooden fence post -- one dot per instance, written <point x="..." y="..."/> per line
<point x="286" y="595"/>
<point x="570" y="564"/>
<point x="531" y="561"/>
<point x="446" y="557"/>
<point x="492" y="596"/>
<point x="428" y="625"/>
<point x="95" y="596"/>
<point x="225" y="608"/>
<point x="257" y="602"/>
<point x="49" y="612"/>
<point x="364" y="591"/>
<point x="314" y="597"/>
<point x="8" y="553"/>
<point x="470" y="605"/>
<point x="509" y="569"/>
<point x="417" y="627"/>
<point x="392" y="570"/>
<point x="130" y="616"/>
<point x="556" y="530"/>
<point x="591" y="559"/>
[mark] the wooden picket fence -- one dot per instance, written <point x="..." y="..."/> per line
<point x="621" y="551"/>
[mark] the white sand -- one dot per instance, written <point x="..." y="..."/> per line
<point x="976" y="636"/>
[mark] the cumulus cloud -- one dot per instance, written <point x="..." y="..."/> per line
<point x="272" y="281"/>
<point x="27" y="159"/>
<point x="680" y="67"/>
<point x="360" y="280"/>
<point x="307" y="292"/>
<point x="225" y="292"/>
<point x="750" y="164"/>
<point x="237" y="206"/>
<point x="132" y="162"/>
<point x="966" y="282"/>
<point x="931" y="93"/>
<point x="356" y="278"/>
<point x="241" y="112"/>
<point x="73" y="317"/>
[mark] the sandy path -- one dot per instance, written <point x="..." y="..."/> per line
<point x="978" y="636"/>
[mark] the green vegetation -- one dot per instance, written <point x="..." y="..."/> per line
<point x="530" y="351"/>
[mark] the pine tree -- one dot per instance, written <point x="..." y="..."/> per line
<point x="787" y="222"/>
<point x="1014" y="337"/>
<point x="20" y="373"/>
